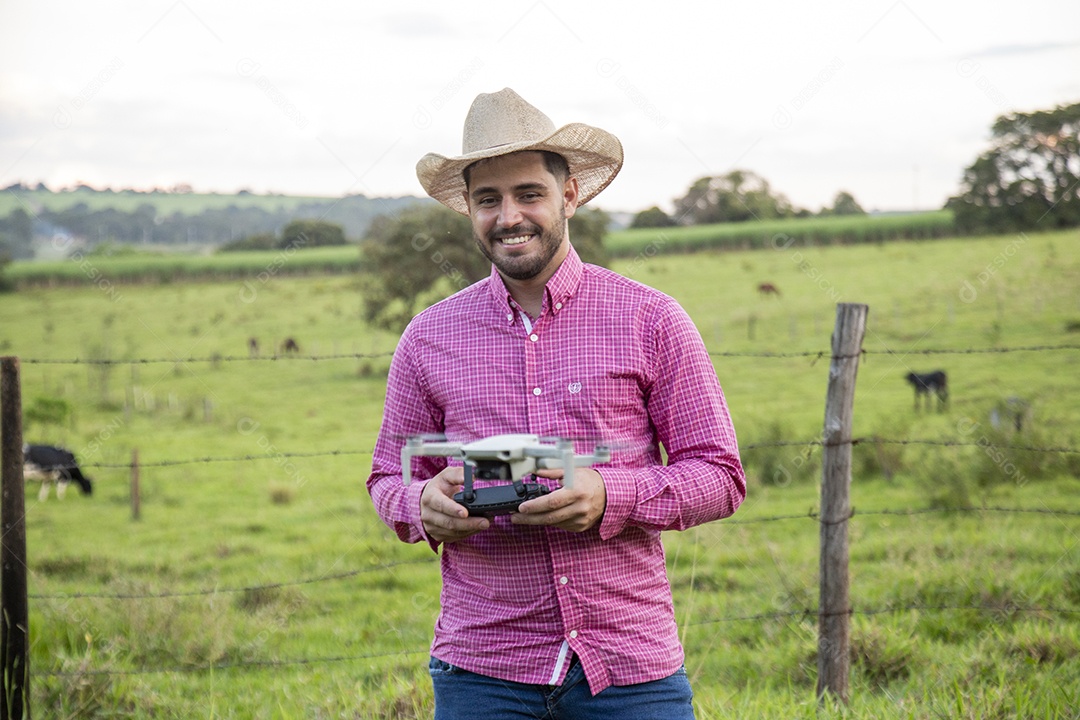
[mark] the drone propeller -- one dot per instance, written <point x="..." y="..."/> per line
<point x="426" y="437"/>
<point x="600" y="442"/>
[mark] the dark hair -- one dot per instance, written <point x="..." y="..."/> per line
<point x="554" y="163"/>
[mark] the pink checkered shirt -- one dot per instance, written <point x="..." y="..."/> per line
<point x="608" y="359"/>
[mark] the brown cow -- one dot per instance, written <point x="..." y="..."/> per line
<point x="768" y="289"/>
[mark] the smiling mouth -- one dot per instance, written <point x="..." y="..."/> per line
<point x="515" y="240"/>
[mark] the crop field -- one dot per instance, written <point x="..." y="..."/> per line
<point x="165" y="265"/>
<point x="259" y="583"/>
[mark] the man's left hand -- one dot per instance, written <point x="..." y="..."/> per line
<point x="575" y="509"/>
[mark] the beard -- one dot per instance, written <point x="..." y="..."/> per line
<point x="524" y="267"/>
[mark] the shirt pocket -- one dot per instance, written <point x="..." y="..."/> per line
<point x="607" y="405"/>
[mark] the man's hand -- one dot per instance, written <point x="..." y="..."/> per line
<point x="576" y="508"/>
<point x="445" y="520"/>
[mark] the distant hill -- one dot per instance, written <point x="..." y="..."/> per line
<point x="85" y="215"/>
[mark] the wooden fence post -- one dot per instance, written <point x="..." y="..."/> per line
<point x="14" y="621"/>
<point x="834" y="653"/>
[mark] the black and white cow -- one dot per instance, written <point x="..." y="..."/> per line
<point x="53" y="465"/>
<point x="930" y="384"/>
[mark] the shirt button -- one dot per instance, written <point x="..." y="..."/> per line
<point x="573" y="633"/>
<point x="510" y="317"/>
<point x="563" y="580"/>
<point x="536" y="391"/>
<point x="534" y="337"/>
<point x="558" y="306"/>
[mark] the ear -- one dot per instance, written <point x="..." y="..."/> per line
<point x="570" y="196"/>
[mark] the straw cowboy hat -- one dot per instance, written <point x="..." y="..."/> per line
<point x="502" y="123"/>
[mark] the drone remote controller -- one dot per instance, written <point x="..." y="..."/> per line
<point x="508" y="458"/>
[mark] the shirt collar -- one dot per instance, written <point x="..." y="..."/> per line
<point x="557" y="293"/>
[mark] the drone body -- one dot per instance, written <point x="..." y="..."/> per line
<point x="502" y="457"/>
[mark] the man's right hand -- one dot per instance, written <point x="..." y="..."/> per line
<point x="445" y="520"/>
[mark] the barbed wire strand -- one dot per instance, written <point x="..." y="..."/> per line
<point x="239" y="664"/>
<point x="815" y="354"/>
<point x="235" y="458"/>
<point x="914" y="441"/>
<point x="749" y="446"/>
<point x="208" y="359"/>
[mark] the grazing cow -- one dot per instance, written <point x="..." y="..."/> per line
<point x="253" y="347"/>
<point x="930" y="384"/>
<point x="289" y="346"/>
<point x="50" y="464"/>
<point x="768" y="289"/>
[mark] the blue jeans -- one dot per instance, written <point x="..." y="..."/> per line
<point x="463" y="695"/>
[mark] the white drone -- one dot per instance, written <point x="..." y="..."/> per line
<point x="502" y="457"/>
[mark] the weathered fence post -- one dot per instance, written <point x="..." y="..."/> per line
<point x="834" y="607"/>
<point x="14" y="621"/>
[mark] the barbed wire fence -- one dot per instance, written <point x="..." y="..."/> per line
<point x="832" y="609"/>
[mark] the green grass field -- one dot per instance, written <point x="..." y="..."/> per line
<point x="259" y="582"/>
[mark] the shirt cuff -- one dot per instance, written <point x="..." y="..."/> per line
<point x="408" y="531"/>
<point x="621" y="489"/>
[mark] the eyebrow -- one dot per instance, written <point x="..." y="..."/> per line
<point x="487" y="189"/>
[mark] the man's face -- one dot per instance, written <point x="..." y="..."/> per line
<point x="518" y="211"/>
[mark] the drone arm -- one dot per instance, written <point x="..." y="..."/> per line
<point x="563" y="456"/>
<point x="413" y="448"/>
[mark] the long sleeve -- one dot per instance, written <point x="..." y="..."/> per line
<point x="406" y="413"/>
<point x="703" y="479"/>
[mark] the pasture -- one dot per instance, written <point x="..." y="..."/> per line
<point x="259" y="582"/>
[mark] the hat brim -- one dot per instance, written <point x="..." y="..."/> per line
<point x="594" y="157"/>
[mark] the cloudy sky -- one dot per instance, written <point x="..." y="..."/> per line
<point x="888" y="99"/>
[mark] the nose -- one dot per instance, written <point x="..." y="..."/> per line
<point x="509" y="213"/>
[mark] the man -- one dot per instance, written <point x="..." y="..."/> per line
<point x="562" y="609"/>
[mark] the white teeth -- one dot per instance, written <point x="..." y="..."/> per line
<point x="516" y="240"/>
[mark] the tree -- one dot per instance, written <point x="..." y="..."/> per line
<point x="427" y="251"/>
<point x="414" y="258"/>
<point x="258" y="241"/>
<point x="844" y="204"/>
<point x="6" y="284"/>
<point x="311" y="233"/>
<point x="587" y="230"/>
<point x="17" y="235"/>
<point x="654" y="217"/>
<point x="736" y="197"/>
<point x="1029" y="176"/>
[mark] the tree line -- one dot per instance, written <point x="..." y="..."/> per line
<point x="416" y="250"/>
<point x="147" y="225"/>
